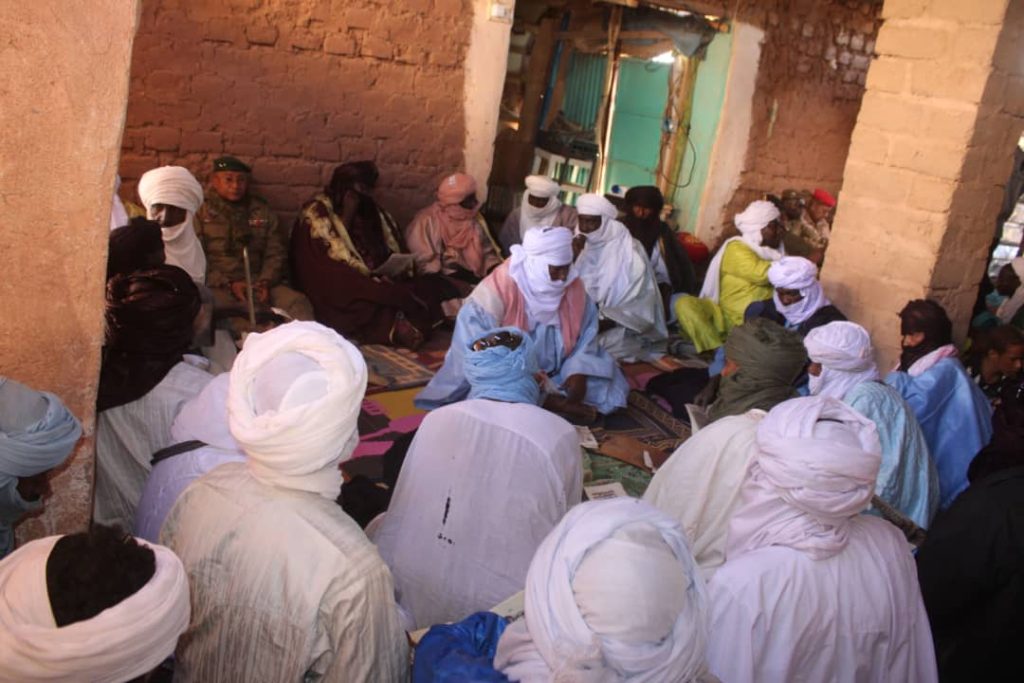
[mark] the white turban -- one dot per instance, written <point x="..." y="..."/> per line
<point x="542" y="186"/>
<point x="750" y="222"/>
<point x="816" y="467"/>
<point x="846" y="356"/>
<point x="796" y="272"/>
<point x="596" y="205"/>
<point x="118" y="644"/>
<point x="528" y="266"/>
<point x="531" y="216"/>
<point x="176" y="186"/>
<point x="753" y="219"/>
<point x="293" y="405"/>
<point x="37" y="433"/>
<point x="612" y="593"/>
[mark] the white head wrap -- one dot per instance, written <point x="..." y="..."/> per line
<point x="1008" y="309"/>
<point x="581" y="625"/>
<point x="176" y="186"/>
<point x="293" y="405"/>
<point x="750" y="222"/>
<point x="118" y="215"/>
<point x="796" y="272"/>
<point x="528" y="266"/>
<point x="816" y="467"/>
<point x="118" y="644"/>
<point x="37" y="433"/>
<point x="531" y="216"/>
<point x="604" y="263"/>
<point x="846" y="356"/>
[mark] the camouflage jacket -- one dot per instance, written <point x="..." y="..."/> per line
<point x="225" y="228"/>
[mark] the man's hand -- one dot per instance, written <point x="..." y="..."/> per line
<point x="238" y="290"/>
<point x="576" y="388"/>
<point x="578" y="242"/>
<point x="261" y="291"/>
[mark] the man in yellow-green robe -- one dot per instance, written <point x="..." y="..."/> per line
<point x="736" y="277"/>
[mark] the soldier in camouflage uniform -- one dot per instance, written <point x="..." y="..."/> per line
<point x="232" y="218"/>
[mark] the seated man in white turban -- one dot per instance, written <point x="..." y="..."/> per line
<point x="37" y="434"/>
<point x="538" y="291"/>
<point x="798" y="302"/>
<point x="617" y="274"/>
<point x="95" y="606"/>
<point x="146" y="377"/>
<point x="843" y="367"/>
<point x="285" y="586"/>
<point x="540" y="208"/>
<point x="811" y="589"/>
<point x="737" y="277"/>
<point x="612" y="594"/>
<point x="202" y="441"/>
<point x="469" y="512"/>
<point x="172" y="196"/>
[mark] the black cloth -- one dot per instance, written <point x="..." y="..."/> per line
<point x="971" y="569"/>
<point x="679" y="387"/>
<point x="135" y="246"/>
<point x="766" y="309"/>
<point x="149" y="316"/>
<point x="653" y="233"/>
<point x="930" y="319"/>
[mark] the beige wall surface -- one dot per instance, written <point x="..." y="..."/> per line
<point x="63" y="88"/>
<point x="929" y="159"/>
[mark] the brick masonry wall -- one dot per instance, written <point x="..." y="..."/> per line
<point x="929" y="158"/>
<point x="295" y="87"/>
<point x="810" y="82"/>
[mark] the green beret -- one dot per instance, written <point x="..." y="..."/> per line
<point x="230" y="164"/>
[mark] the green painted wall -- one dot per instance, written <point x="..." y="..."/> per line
<point x="708" y="95"/>
<point x="636" y="124"/>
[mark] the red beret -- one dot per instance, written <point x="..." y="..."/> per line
<point x="824" y="197"/>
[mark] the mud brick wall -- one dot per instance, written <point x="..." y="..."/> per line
<point x="295" y="87"/>
<point x="810" y="83"/>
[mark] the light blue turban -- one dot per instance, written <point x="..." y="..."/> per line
<point x="37" y="433"/>
<point x="503" y="374"/>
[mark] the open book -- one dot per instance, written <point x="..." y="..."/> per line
<point x="397" y="264"/>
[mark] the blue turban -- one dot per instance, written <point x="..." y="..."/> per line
<point x="503" y="374"/>
<point x="37" y="433"/>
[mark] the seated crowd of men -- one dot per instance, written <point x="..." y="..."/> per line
<point x="830" y="522"/>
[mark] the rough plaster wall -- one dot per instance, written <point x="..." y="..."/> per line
<point x="295" y="87"/>
<point x="486" y="61"/>
<point x="930" y="154"/>
<point x="814" y="60"/>
<point x="64" y="83"/>
<point x="729" y="152"/>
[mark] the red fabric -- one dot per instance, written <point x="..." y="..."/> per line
<point x="570" y="311"/>
<point x="695" y="249"/>
<point x="824" y="197"/>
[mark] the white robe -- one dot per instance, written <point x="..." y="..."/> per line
<point x="778" y="615"/>
<point x="482" y="485"/>
<point x="700" y="484"/>
<point x="285" y="587"/>
<point x="205" y="419"/>
<point x="127" y="436"/>
<point x="628" y="297"/>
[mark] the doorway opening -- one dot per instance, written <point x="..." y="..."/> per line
<point x="604" y="96"/>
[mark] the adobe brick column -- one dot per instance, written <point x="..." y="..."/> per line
<point x="64" y="78"/>
<point x="929" y="156"/>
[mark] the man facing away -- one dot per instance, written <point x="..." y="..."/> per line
<point x="285" y="585"/>
<point x="232" y="219"/>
